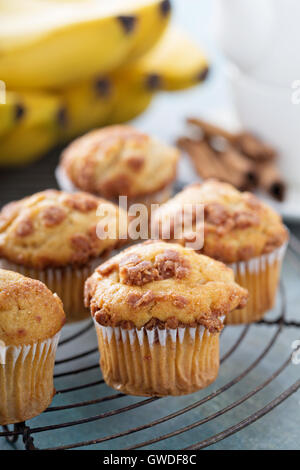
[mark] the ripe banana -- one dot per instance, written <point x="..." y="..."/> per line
<point x="175" y="63"/>
<point x="152" y="21"/>
<point x="36" y="132"/>
<point x="88" y="105"/>
<point x="11" y="112"/>
<point x="130" y="100"/>
<point x="48" y="44"/>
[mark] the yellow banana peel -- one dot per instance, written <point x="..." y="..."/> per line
<point x="102" y="68"/>
<point x="152" y="21"/>
<point x="130" y="100"/>
<point x="88" y="105"/>
<point x="175" y="63"/>
<point x="36" y="133"/>
<point x="11" y="112"/>
<point x="49" y="44"/>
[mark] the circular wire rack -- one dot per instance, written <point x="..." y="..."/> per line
<point x="102" y="435"/>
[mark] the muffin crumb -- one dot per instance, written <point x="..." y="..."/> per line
<point x="29" y="312"/>
<point x="137" y="300"/>
<point x="237" y="226"/>
<point x="57" y="229"/>
<point x="81" y="202"/>
<point x="135" y="272"/>
<point x="53" y="216"/>
<point x="119" y="160"/>
<point x="24" y="228"/>
<point x="163" y="285"/>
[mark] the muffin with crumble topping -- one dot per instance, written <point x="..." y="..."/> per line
<point x="119" y="161"/>
<point x="158" y="310"/>
<point x="53" y="236"/>
<point x="31" y="318"/>
<point x="239" y="230"/>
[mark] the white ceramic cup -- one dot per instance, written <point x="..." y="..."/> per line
<point x="261" y="37"/>
<point x="273" y="113"/>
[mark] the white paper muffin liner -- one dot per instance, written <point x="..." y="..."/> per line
<point x="260" y="276"/>
<point x="64" y="181"/>
<point x="259" y="263"/>
<point x="26" y="379"/>
<point x="158" y="362"/>
<point x="155" y="334"/>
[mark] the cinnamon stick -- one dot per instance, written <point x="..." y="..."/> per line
<point x="211" y="130"/>
<point x="246" y="142"/>
<point x="254" y="148"/>
<point x="237" y="158"/>
<point x="202" y="157"/>
<point x="271" y="180"/>
<point x="236" y="162"/>
<point x="209" y="164"/>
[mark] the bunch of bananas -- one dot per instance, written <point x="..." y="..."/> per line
<point x="72" y="65"/>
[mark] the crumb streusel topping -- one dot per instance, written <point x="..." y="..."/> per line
<point x="156" y="283"/>
<point x="29" y="312"/>
<point x="119" y="160"/>
<point x="55" y="228"/>
<point x="237" y="225"/>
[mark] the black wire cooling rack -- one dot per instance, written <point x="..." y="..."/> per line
<point x="28" y="433"/>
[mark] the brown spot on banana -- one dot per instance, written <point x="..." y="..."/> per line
<point x="202" y="75"/>
<point x="153" y="82"/>
<point x="20" y="111"/>
<point x="165" y="7"/>
<point x="62" y="117"/>
<point x="103" y="87"/>
<point x="128" y="23"/>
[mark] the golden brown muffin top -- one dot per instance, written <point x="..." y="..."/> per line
<point x="237" y="225"/>
<point x="29" y="312"/>
<point x="156" y="283"/>
<point x="55" y="228"/>
<point x="119" y="160"/>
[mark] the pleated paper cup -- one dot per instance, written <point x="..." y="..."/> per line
<point x="67" y="282"/>
<point x="158" y="362"/>
<point x="63" y="181"/>
<point x="26" y="379"/>
<point x="260" y="276"/>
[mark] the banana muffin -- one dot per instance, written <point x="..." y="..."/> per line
<point x="53" y="236"/>
<point x="239" y="230"/>
<point x="31" y="318"/>
<point x="158" y="310"/>
<point x="119" y="161"/>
